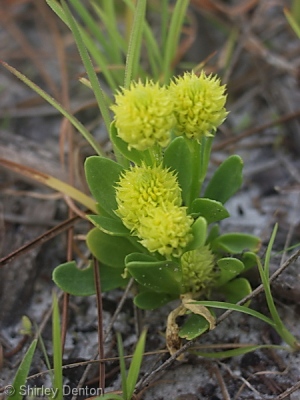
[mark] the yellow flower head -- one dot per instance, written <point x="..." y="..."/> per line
<point x="197" y="270"/>
<point x="149" y="204"/>
<point x="144" y="115"/>
<point x="141" y="189"/>
<point x="166" y="230"/>
<point x="198" y="104"/>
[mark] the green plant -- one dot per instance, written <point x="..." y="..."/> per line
<point x="154" y="220"/>
<point x="162" y="135"/>
<point x="14" y="391"/>
<point x="152" y="225"/>
<point x="129" y="379"/>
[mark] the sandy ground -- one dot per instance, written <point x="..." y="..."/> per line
<point x="263" y="127"/>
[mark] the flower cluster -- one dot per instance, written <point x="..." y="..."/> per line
<point x="197" y="270"/>
<point x="149" y="204"/>
<point x="166" y="230"/>
<point x="198" y="105"/>
<point x="143" y="188"/>
<point x="146" y="114"/>
<point x="148" y="196"/>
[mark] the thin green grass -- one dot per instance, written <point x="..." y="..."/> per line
<point x="57" y="350"/>
<point x="14" y="391"/>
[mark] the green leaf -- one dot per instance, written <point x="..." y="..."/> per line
<point x="229" y="269"/>
<point x="23" y="371"/>
<point x="236" y="290"/>
<point x="158" y="276"/>
<point x="102" y="175"/>
<point x="249" y="260"/>
<point x="133" y="154"/>
<point x="213" y="234"/>
<point x="75" y="281"/>
<point x="135" y="365"/>
<point x="148" y="300"/>
<point x="195" y="326"/>
<point x="211" y="210"/>
<point x="199" y="230"/>
<point x="236" y="243"/>
<point x="109" y="225"/>
<point x="226" y="180"/>
<point x="80" y="282"/>
<point x="178" y="158"/>
<point x="109" y="250"/>
<point x="111" y="278"/>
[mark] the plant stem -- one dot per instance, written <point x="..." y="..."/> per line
<point x="195" y="148"/>
<point x="205" y="155"/>
<point x="200" y="152"/>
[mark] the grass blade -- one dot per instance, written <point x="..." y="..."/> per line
<point x="53" y="183"/>
<point x="88" y="66"/>
<point x="111" y="51"/>
<point x="92" y="25"/>
<point x="293" y="23"/>
<point x="268" y="252"/>
<point x="135" y="365"/>
<point x="89" y="43"/>
<point x="236" y="307"/>
<point x="22" y="372"/>
<point x="153" y="51"/>
<point x="111" y="23"/>
<point x="74" y="121"/>
<point x="164" y="22"/>
<point x="173" y="37"/>
<point x="134" y="47"/>
<point x="122" y="365"/>
<point x="236" y="352"/>
<point x="57" y="351"/>
<point x="264" y="275"/>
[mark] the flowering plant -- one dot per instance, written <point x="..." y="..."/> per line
<point x="152" y="225"/>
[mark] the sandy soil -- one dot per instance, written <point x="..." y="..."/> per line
<point x="263" y="127"/>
